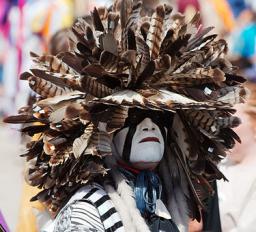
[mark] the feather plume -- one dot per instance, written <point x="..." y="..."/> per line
<point x="97" y="21"/>
<point x="54" y="64"/>
<point x="46" y="88"/>
<point x="143" y="50"/>
<point x="93" y="87"/>
<point x="155" y="32"/>
<point x="131" y="22"/>
<point x="232" y="95"/>
<point x="80" y="144"/>
<point x="125" y="10"/>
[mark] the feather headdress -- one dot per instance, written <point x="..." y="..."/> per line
<point x="122" y="60"/>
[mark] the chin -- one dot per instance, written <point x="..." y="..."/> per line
<point x="147" y="151"/>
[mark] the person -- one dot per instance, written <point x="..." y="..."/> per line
<point x="237" y="6"/>
<point x="235" y="209"/>
<point x="243" y="44"/>
<point x="131" y="123"/>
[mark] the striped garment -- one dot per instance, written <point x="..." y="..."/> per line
<point x="89" y="210"/>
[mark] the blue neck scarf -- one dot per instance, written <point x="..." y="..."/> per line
<point x="147" y="189"/>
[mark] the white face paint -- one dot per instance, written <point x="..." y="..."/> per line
<point x="147" y="146"/>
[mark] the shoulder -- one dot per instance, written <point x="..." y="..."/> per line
<point x="84" y="213"/>
<point x="80" y="214"/>
<point x="92" y="208"/>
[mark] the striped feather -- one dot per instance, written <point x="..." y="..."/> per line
<point x="155" y="32"/>
<point x="198" y="38"/>
<point x="125" y="11"/>
<point x="143" y="50"/>
<point x="83" y="33"/>
<point x="228" y="122"/>
<point x="72" y="60"/>
<point x="118" y="117"/>
<point x="180" y="137"/>
<point x="215" y="51"/>
<point x="132" y="21"/>
<point x="144" y="29"/>
<point x="93" y="87"/>
<point x="186" y="80"/>
<point x="99" y="144"/>
<point x="177" y="26"/>
<point x="45" y="88"/>
<point x="202" y="120"/>
<point x="54" y="64"/>
<point x="80" y="144"/>
<point x="109" y="61"/>
<point x="232" y="95"/>
<point x="193" y="24"/>
<point x="167" y="13"/>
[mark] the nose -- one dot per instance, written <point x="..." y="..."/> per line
<point x="147" y="125"/>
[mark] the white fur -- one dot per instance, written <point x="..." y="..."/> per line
<point x="120" y="207"/>
<point x="127" y="196"/>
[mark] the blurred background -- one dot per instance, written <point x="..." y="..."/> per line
<point x="29" y="25"/>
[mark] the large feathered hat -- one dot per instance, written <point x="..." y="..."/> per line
<point x="119" y="61"/>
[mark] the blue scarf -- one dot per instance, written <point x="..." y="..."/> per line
<point x="147" y="189"/>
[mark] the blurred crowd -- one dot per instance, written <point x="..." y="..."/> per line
<point x="39" y="26"/>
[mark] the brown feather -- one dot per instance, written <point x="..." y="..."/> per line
<point x="109" y="61"/>
<point x="100" y="144"/>
<point x="125" y="11"/>
<point x="46" y="88"/>
<point x="22" y="118"/>
<point x="119" y="115"/>
<point x="132" y="21"/>
<point x="97" y="21"/>
<point x="155" y="32"/>
<point x="54" y="64"/>
<point x="143" y="50"/>
<point x="80" y="144"/>
<point x="93" y="87"/>
<point x="113" y="19"/>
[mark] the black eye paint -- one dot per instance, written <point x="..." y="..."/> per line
<point x="128" y="143"/>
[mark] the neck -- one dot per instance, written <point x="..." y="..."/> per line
<point x="128" y="167"/>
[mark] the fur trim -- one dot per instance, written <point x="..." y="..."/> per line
<point x="125" y="193"/>
<point x="120" y="207"/>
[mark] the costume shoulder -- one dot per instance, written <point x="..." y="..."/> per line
<point x="79" y="216"/>
<point x="90" y="209"/>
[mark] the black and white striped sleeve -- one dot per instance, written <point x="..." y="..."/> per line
<point x="85" y="214"/>
<point x="80" y="216"/>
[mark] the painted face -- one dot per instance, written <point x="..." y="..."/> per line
<point x="147" y="145"/>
